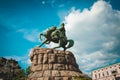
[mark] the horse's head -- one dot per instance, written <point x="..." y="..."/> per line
<point x="53" y="28"/>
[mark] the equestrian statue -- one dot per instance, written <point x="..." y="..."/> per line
<point x="57" y="36"/>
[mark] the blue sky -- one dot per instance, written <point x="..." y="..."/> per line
<point x="21" y="21"/>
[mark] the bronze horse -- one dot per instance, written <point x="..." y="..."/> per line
<point x="57" y="36"/>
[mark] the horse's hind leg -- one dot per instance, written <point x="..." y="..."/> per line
<point x="64" y="48"/>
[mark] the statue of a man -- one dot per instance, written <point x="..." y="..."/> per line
<point x="59" y="33"/>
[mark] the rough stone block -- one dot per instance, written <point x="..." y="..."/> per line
<point x="60" y="55"/>
<point x="40" y="78"/>
<point x="51" y="58"/>
<point x="50" y="66"/>
<point x="40" y="58"/>
<point x="45" y="58"/>
<point x="49" y="51"/>
<point x="71" y="67"/>
<point x="58" y="78"/>
<point x="66" y="78"/>
<point x="36" y="74"/>
<point x="73" y="73"/>
<point x="33" y="79"/>
<point x="55" y="51"/>
<point x="64" y="73"/>
<point x="39" y="67"/>
<point x="59" y="67"/>
<point x="67" y="67"/>
<point x="69" y="53"/>
<point x="68" y="59"/>
<point x="40" y="51"/>
<point x="45" y="66"/>
<point x="73" y="62"/>
<point x="32" y="68"/>
<point x="35" y="57"/>
<point x="40" y="73"/>
<point x="35" y="61"/>
<point x="61" y="59"/>
<point x="47" y="73"/>
<point x="56" y="73"/>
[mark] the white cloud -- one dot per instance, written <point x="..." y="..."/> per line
<point x="62" y="14"/>
<point x="22" y="59"/>
<point x="61" y="5"/>
<point x="95" y="59"/>
<point x="52" y="2"/>
<point x="18" y="58"/>
<point x="96" y="35"/>
<point x="30" y="35"/>
<point x="25" y="59"/>
<point x="43" y="2"/>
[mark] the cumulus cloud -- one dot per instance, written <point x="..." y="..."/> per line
<point x="96" y="35"/>
<point x="23" y="59"/>
<point x="30" y="35"/>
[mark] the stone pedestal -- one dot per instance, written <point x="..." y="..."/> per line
<point x="51" y="64"/>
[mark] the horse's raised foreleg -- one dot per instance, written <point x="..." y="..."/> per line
<point x="43" y="43"/>
<point x="41" y="35"/>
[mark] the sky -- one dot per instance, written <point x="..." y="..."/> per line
<point x="92" y="24"/>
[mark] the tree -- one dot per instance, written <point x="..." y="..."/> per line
<point x="28" y="70"/>
<point x="20" y="75"/>
<point x="82" y="78"/>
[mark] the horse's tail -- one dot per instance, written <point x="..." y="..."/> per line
<point x="70" y="44"/>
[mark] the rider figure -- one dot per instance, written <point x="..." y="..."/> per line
<point x="49" y="31"/>
<point x="59" y="33"/>
<point x="62" y="31"/>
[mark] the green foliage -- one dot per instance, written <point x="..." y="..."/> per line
<point x="20" y="75"/>
<point x="28" y="71"/>
<point x="81" y="78"/>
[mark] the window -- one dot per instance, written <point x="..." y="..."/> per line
<point x="95" y="76"/>
<point x="107" y="73"/>
<point x="99" y="75"/>
<point x="103" y="74"/>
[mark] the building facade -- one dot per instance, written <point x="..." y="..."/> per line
<point x="111" y="72"/>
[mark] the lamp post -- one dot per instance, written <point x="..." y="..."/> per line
<point x="114" y="73"/>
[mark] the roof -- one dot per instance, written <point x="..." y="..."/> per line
<point x="106" y="66"/>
